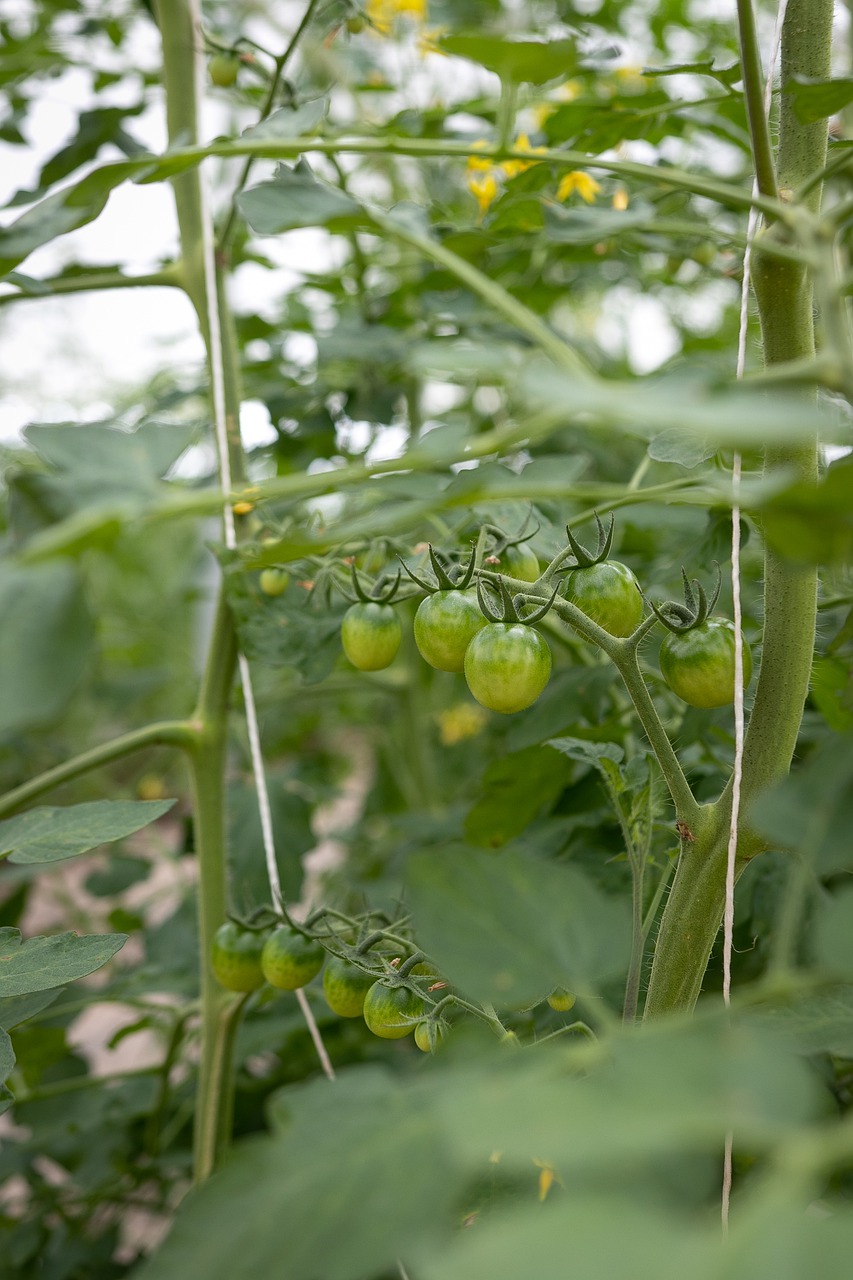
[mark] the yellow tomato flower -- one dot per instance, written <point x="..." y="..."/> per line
<point x="547" y="1177"/>
<point x="513" y="167"/>
<point x="586" y="187"/>
<point x="460" y="722"/>
<point x="620" y="199"/>
<point x="428" y="39"/>
<point x="382" y="14"/>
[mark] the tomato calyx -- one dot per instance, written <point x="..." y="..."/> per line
<point x="382" y="591"/>
<point x="697" y="608"/>
<point x="449" y="578"/>
<point x="509" y="611"/>
<point x="584" y="558"/>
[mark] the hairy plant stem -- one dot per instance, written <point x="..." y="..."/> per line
<point x="783" y="289"/>
<point x="180" y="26"/>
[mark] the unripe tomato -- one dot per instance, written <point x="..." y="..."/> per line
<point x="428" y="1036"/>
<point x="392" y="1012"/>
<point x="699" y="665"/>
<point x="290" y="960"/>
<point x="445" y="624"/>
<point x="561" y="1000"/>
<point x="236" y="957"/>
<point x="520" y="562"/>
<point x="223" y="68"/>
<point x="273" y="582"/>
<point x="371" y="635"/>
<point x="609" y="594"/>
<point x="507" y="666"/>
<point x="345" y="987"/>
<point x="355" y="24"/>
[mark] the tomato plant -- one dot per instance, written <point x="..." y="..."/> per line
<point x="290" y="959"/>
<point x="699" y="664"/>
<point x="236" y="957"/>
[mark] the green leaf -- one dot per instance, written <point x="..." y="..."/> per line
<point x="833" y="932"/>
<point x="569" y="225"/>
<point x="117" y="876"/>
<point x="41" y="963"/>
<point x="811" y="811"/>
<point x="671" y="446"/>
<point x="51" y="834"/>
<point x="830" y="689"/>
<point x="290" y="122"/>
<point x="45" y="642"/>
<point x="296" y="198"/>
<point x="816" y="99"/>
<point x="532" y="61"/>
<point x="516" y="788"/>
<point x="7" y="1055"/>
<point x="817" y="1022"/>
<point x="17" y="1009"/>
<point x="813" y="523"/>
<point x="507" y="928"/>
<point x="358" y="1177"/>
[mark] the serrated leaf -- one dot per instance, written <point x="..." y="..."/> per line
<point x="296" y="198"/>
<point x="41" y="963"/>
<point x="357" y="1178"/>
<point x="51" y="834"/>
<point x="17" y="1009"/>
<point x="507" y="928"/>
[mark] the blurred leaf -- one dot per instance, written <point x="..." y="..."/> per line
<point x="507" y="928"/>
<point x="816" y="99"/>
<point x="287" y="631"/>
<point x="51" y="834"/>
<point x="532" y="61"/>
<point x="296" y="198"/>
<point x="41" y="963"/>
<point x="358" y="1177"/>
<point x="45" y="642"/>
<point x="290" y="122"/>
<point x="813" y="523"/>
<point x="671" y="446"/>
<point x="118" y="875"/>
<point x="17" y="1009"/>
<point x="811" y="811"/>
<point x="830" y="688"/>
<point x="570" y="225"/>
<point x="832" y="932"/>
<point x="816" y="1022"/>
<point x="516" y="788"/>
<point x="7" y="1055"/>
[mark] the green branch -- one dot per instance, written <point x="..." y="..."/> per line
<point x="168" y="277"/>
<point x="172" y="733"/>
<point x="753" y="88"/>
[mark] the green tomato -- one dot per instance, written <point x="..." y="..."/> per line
<point x="609" y="594"/>
<point x="345" y="987"/>
<point x="355" y="24"/>
<point x="371" y="635"/>
<point x="273" y="582"/>
<point x="223" y="69"/>
<point x="561" y="1000"/>
<point x="428" y="1036"/>
<point x="445" y="624"/>
<point x="520" y="562"/>
<point x="392" y="1012"/>
<point x="699" y="665"/>
<point x="236" y="957"/>
<point x="507" y="666"/>
<point x="290" y="960"/>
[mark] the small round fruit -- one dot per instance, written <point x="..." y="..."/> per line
<point x="223" y="69"/>
<point x="699" y="665"/>
<point x="355" y="24"/>
<point x="392" y="1012"/>
<point x="609" y="594"/>
<point x="371" y="635"/>
<point x="273" y="582"/>
<point x="290" y="960"/>
<point x="507" y="666"/>
<point x="428" y="1036"/>
<point x="445" y="624"/>
<point x="345" y="987"/>
<point x="236" y="957"/>
<point x="520" y="562"/>
<point x="561" y="1000"/>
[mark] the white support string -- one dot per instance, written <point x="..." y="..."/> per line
<point x="220" y="423"/>
<point x="737" y="774"/>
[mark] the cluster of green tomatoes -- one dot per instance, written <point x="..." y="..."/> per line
<point x="478" y="628"/>
<point x="395" y="996"/>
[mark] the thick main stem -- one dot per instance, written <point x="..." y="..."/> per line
<point x="784" y="292"/>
